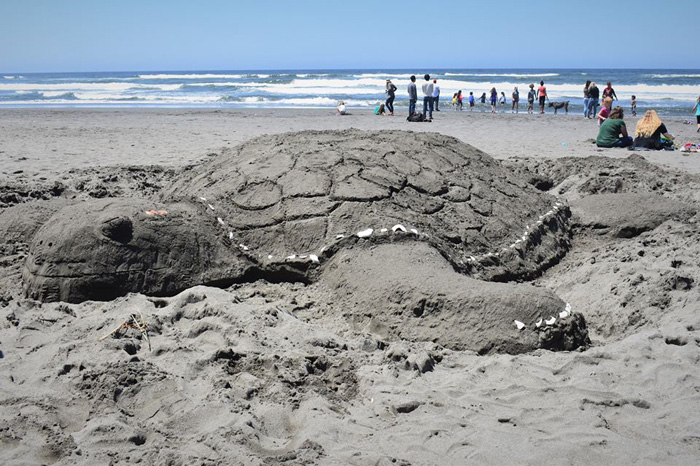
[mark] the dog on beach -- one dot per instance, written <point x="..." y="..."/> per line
<point x="560" y="105"/>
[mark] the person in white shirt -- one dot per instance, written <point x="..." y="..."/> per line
<point x="427" y="97"/>
<point x="436" y="95"/>
<point x="341" y="108"/>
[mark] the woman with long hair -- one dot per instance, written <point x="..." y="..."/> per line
<point x="391" y="92"/>
<point x="494" y="98"/>
<point x="649" y="130"/>
<point x="586" y="99"/>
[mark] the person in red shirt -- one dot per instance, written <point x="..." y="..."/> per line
<point x="542" y="93"/>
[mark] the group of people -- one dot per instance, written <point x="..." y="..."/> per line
<point x="612" y="133"/>
<point x="591" y="101"/>
<point x="540" y="95"/>
<point x="650" y="133"/>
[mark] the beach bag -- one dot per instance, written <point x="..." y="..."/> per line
<point x="416" y="117"/>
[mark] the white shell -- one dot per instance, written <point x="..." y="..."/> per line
<point x="293" y="256"/>
<point x="519" y="324"/>
<point x="395" y="228"/>
<point x="365" y="233"/>
<point x="211" y="206"/>
<point x="269" y="256"/>
<point x="414" y="231"/>
<point x="551" y="320"/>
<point x="314" y="258"/>
<point x="563" y="314"/>
<point x="203" y="199"/>
<point x="243" y="246"/>
<point x="568" y="307"/>
<point x="230" y="235"/>
<point x="340" y="236"/>
<point x="383" y="230"/>
<point x="218" y="219"/>
<point x="538" y="324"/>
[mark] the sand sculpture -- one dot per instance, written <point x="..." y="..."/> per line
<point x="363" y="214"/>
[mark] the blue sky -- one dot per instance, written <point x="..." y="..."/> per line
<point x="130" y="35"/>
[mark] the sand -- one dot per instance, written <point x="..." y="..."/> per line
<point x="283" y="373"/>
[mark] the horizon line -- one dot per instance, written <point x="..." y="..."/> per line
<point x="340" y="69"/>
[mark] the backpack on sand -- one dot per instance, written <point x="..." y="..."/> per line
<point x="417" y="117"/>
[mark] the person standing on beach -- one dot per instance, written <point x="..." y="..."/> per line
<point x="436" y="95"/>
<point x="542" y="92"/>
<point x="609" y="92"/>
<point x="696" y="109"/>
<point x="427" y="97"/>
<point x="494" y="98"/>
<point x="516" y="101"/>
<point x="471" y="103"/>
<point x="633" y="105"/>
<point x="531" y="99"/>
<point x="593" y="96"/>
<point x="586" y="99"/>
<point x="503" y="101"/>
<point x="460" y="98"/>
<point x="412" y="96"/>
<point x="391" y="93"/>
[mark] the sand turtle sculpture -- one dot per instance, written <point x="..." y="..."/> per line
<point x="418" y="223"/>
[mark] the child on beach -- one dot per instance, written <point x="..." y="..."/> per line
<point x="516" y="101"/>
<point x="605" y="110"/>
<point x="633" y="105"/>
<point x="341" y="110"/>
<point x="494" y="96"/>
<point x="471" y="103"/>
<point x="697" y="113"/>
<point x="531" y="99"/>
<point x="460" y="98"/>
<point x="379" y="110"/>
<point x="502" y="101"/>
<point x="454" y="101"/>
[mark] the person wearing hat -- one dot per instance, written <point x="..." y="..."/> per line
<point x="391" y="93"/>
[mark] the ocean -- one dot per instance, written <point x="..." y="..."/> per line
<point x="670" y="92"/>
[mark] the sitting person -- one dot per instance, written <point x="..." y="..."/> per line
<point x="613" y="132"/>
<point x="341" y="110"/>
<point x="379" y="110"/>
<point x="649" y="130"/>
<point x="605" y="110"/>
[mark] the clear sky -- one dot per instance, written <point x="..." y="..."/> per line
<point x="135" y="35"/>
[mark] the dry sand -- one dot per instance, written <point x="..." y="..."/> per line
<point x="281" y="373"/>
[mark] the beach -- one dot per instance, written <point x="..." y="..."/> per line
<point x="41" y="141"/>
<point x="312" y="371"/>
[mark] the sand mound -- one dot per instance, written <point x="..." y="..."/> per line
<point x="279" y="206"/>
<point x="105" y="248"/>
<point x="626" y="215"/>
<point x="294" y="194"/>
<point x="410" y="292"/>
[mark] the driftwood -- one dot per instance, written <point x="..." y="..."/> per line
<point x="134" y="322"/>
